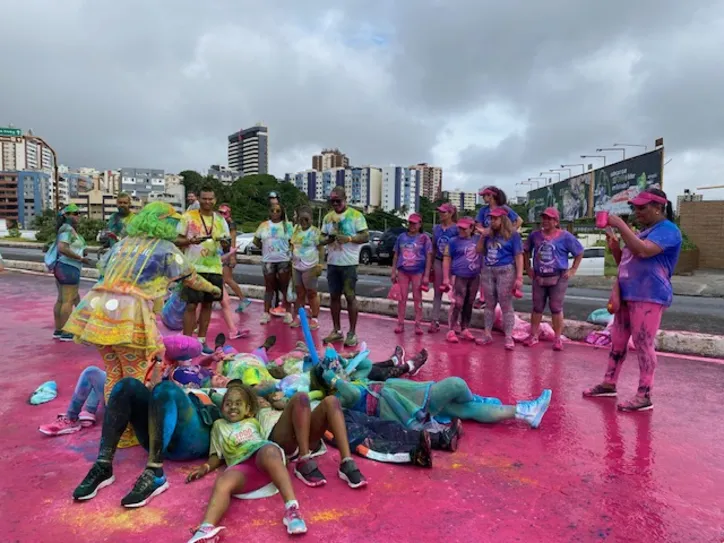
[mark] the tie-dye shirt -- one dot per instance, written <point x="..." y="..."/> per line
<point x="442" y="237"/>
<point x="649" y="279"/>
<point x="502" y="252"/>
<point x="75" y="241"/>
<point x="484" y="216"/>
<point x="412" y="252"/>
<point x="550" y="255"/>
<point x="205" y="256"/>
<point x="305" y="245"/>
<point x="236" y="442"/>
<point x="117" y="224"/>
<point x="274" y="237"/>
<point x="466" y="261"/>
<point x="348" y="223"/>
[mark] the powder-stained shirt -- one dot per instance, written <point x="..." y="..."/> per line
<point x="275" y="237"/>
<point x="484" y="215"/>
<point x="412" y="252"/>
<point x="550" y="254"/>
<point x="205" y="256"/>
<point x="67" y="234"/>
<point x="466" y="261"/>
<point x="649" y="279"/>
<point x="305" y="244"/>
<point x="441" y="237"/>
<point x="236" y="442"/>
<point x="348" y="223"/>
<point x="502" y="252"/>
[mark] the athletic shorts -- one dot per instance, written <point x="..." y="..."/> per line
<point x="191" y="296"/>
<point x="66" y="274"/>
<point x="306" y="278"/>
<point x="273" y="268"/>
<point x="342" y="279"/>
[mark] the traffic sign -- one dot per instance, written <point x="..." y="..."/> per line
<point x="5" y="131"/>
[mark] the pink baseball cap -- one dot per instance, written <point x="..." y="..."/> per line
<point x="498" y="212"/>
<point x="447" y="208"/>
<point x="415" y="217"/>
<point x="643" y="198"/>
<point x="465" y="222"/>
<point x="552" y="212"/>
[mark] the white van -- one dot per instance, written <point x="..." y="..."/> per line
<point x="593" y="263"/>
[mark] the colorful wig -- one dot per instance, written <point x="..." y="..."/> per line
<point x="155" y="220"/>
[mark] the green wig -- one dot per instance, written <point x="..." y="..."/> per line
<point x="155" y="220"/>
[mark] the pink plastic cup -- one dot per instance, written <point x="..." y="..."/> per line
<point x="601" y="219"/>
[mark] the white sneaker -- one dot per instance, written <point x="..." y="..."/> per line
<point x="288" y="318"/>
<point x="532" y="412"/>
<point x="265" y="318"/>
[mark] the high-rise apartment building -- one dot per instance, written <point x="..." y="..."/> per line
<point x="249" y="150"/>
<point x="400" y="189"/>
<point x="464" y="201"/>
<point x="431" y="180"/>
<point x="328" y="159"/>
<point x="140" y="182"/>
<point x="24" y="195"/>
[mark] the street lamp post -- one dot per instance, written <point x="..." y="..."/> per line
<point x="596" y="156"/>
<point x="623" y="150"/>
<point x="646" y="147"/>
<point x="55" y="168"/>
<point x="561" y="169"/>
<point x="583" y="167"/>
<point x="537" y="180"/>
<point x="552" y="173"/>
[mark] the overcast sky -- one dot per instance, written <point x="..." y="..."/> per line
<point x="494" y="92"/>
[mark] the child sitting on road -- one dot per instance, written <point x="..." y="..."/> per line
<point x="252" y="463"/>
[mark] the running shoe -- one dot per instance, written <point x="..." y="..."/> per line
<point x="399" y="328"/>
<point x="398" y="357"/>
<point x="288" y="318"/>
<point x="532" y="412"/>
<point x="558" y="344"/>
<point x="308" y="472"/>
<point x="62" y="426"/>
<point x="147" y="487"/>
<point x="509" y="344"/>
<point x="205" y="349"/>
<point x="265" y="318"/>
<point x="243" y="304"/>
<point x="66" y="337"/>
<point x="206" y="534"/>
<point x="334" y="337"/>
<point x="350" y="340"/>
<point x="486" y="339"/>
<point x="99" y="476"/>
<point x="434" y="327"/>
<point x="240" y="334"/>
<point x="421" y="455"/>
<point x="418" y="329"/>
<point x="278" y="311"/>
<point x="417" y="362"/>
<point x="600" y="391"/>
<point x="314" y="324"/>
<point x="350" y="473"/>
<point x="467" y="335"/>
<point x="87" y="419"/>
<point x="637" y="404"/>
<point x="293" y="521"/>
<point x="479" y="304"/>
<point x="452" y="337"/>
<point x="269" y="342"/>
<point x="530" y="341"/>
<point x="296" y="323"/>
<point x="57" y="334"/>
<point x="447" y="439"/>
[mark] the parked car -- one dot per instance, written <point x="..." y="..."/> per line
<point x="386" y="246"/>
<point x="245" y="246"/>
<point x="593" y="262"/>
<point x="368" y="251"/>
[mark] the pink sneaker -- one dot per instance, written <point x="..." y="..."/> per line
<point x="87" y="419"/>
<point x="530" y="341"/>
<point x="418" y="329"/>
<point x="485" y="340"/>
<point x="452" y="337"/>
<point x="509" y="344"/>
<point x="62" y="426"/>
<point x="399" y="328"/>
<point x="434" y="328"/>
<point x="314" y="324"/>
<point x="558" y="344"/>
<point x="467" y="335"/>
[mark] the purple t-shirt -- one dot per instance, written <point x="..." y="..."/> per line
<point x="442" y="237"/>
<point x="550" y="255"/>
<point x="195" y="376"/>
<point x="484" y="215"/>
<point x="649" y="279"/>
<point x="466" y="261"/>
<point x="412" y="252"/>
<point x="502" y="252"/>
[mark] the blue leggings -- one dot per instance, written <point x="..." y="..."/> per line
<point x="88" y="391"/>
<point x="166" y="422"/>
<point x="452" y="397"/>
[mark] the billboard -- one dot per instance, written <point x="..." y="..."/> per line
<point x="571" y="197"/>
<point x="616" y="184"/>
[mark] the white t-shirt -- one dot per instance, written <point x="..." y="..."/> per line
<point x="348" y="223"/>
<point x="275" y="238"/>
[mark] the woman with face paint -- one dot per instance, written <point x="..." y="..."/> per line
<point x="647" y="262"/>
<point x="273" y="237"/>
<point x="502" y="273"/>
<point x="550" y="247"/>
<point x="71" y="257"/>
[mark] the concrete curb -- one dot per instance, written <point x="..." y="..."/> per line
<point x="668" y="341"/>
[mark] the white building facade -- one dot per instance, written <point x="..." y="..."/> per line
<point x="400" y="190"/>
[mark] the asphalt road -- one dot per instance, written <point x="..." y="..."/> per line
<point x="690" y="313"/>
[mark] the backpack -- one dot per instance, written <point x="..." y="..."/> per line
<point x="51" y="256"/>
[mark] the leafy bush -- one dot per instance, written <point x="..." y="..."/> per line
<point x="686" y="243"/>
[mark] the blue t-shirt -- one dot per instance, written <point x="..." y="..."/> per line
<point x="484" y="215"/>
<point x="442" y="237"/>
<point x="550" y="255"/>
<point x="466" y="261"/>
<point x="649" y="279"/>
<point x="412" y="252"/>
<point x="502" y="252"/>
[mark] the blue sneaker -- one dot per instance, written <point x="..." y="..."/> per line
<point x="294" y="522"/>
<point x="243" y="304"/>
<point x="147" y="487"/>
<point x="532" y="412"/>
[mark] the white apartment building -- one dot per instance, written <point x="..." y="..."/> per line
<point x="431" y="180"/>
<point x="461" y="199"/>
<point x="400" y="189"/>
<point x="363" y="185"/>
<point x="248" y="150"/>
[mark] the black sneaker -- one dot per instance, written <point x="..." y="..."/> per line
<point x="147" y="487"/>
<point x="417" y="362"/>
<point x="99" y="476"/>
<point x="269" y="342"/>
<point x="220" y="341"/>
<point x="448" y="439"/>
<point x="57" y="334"/>
<point x="350" y="473"/>
<point x="308" y="472"/>
<point x="399" y="356"/>
<point x="66" y="337"/>
<point x="421" y="456"/>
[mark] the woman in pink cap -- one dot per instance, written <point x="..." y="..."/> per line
<point x="411" y="266"/>
<point x="442" y="233"/>
<point x="461" y="272"/>
<point x="550" y="247"/>
<point x="502" y="273"/>
<point x="646" y="264"/>
<point x="494" y="198"/>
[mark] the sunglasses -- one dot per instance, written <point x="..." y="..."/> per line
<point x="74" y="213"/>
<point x="335" y="201"/>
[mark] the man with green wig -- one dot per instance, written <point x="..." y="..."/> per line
<point x="117" y="315"/>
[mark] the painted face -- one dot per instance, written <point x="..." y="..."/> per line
<point x="305" y="220"/>
<point x="73" y="218"/>
<point x="235" y="407"/>
<point x="124" y="205"/>
<point x="207" y="201"/>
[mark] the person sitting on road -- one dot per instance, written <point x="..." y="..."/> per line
<point x="83" y="406"/>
